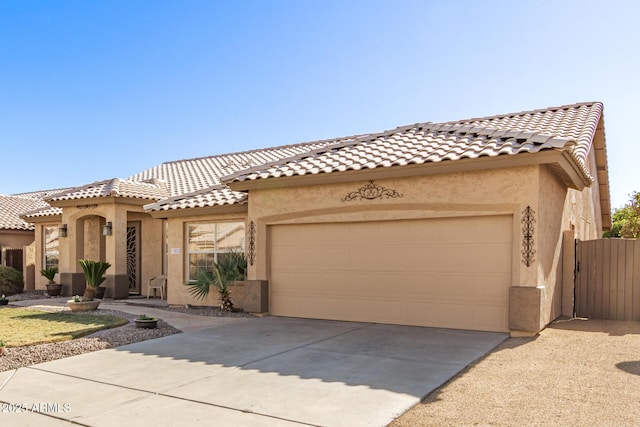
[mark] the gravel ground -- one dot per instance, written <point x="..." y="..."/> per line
<point x="17" y="357"/>
<point x="576" y="372"/>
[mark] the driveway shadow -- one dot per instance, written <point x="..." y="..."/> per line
<point x="402" y="359"/>
<point x="610" y="327"/>
<point x="632" y="367"/>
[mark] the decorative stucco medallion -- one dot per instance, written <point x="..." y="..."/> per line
<point x="527" y="236"/>
<point x="371" y="191"/>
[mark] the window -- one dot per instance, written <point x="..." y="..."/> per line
<point x="51" y="249"/>
<point x="207" y="243"/>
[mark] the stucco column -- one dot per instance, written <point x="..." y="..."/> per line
<point x="71" y="250"/>
<point x="526" y="297"/>
<point x="117" y="282"/>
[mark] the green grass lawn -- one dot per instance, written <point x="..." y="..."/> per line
<point x="20" y="326"/>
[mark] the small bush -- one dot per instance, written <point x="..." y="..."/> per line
<point x="11" y="281"/>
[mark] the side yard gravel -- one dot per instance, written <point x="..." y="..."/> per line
<point x="17" y="357"/>
<point x="576" y="372"/>
<point x="29" y="355"/>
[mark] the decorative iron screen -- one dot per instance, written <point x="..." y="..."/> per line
<point x="132" y="256"/>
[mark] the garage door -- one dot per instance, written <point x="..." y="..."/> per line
<point x="451" y="273"/>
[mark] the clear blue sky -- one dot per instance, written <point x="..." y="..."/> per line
<point x="91" y="90"/>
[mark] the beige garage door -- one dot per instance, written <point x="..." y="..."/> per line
<point x="451" y="273"/>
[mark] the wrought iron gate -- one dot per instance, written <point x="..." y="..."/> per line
<point x="133" y="257"/>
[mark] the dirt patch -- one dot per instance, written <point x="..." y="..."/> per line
<point x="576" y="372"/>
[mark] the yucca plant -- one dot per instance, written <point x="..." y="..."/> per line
<point x="94" y="275"/>
<point x="232" y="267"/>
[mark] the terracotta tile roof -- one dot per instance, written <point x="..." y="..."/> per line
<point x="196" y="182"/>
<point x="217" y="195"/>
<point x="192" y="175"/>
<point x="570" y="128"/>
<point x="41" y="194"/>
<point x="202" y="182"/>
<point x="42" y="212"/>
<point x="11" y="207"/>
<point x="116" y="187"/>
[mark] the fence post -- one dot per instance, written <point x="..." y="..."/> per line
<point x="568" y="272"/>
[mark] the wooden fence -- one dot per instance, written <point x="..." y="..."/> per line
<point x="607" y="281"/>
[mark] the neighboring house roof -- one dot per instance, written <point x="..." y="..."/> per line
<point x="570" y="128"/>
<point x="11" y="207"/>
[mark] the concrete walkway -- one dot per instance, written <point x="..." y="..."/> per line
<point x="246" y="372"/>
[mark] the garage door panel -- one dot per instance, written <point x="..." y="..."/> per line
<point x="420" y="313"/>
<point x="422" y="256"/>
<point x="421" y="285"/>
<point x="337" y="257"/>
<point x="485" y="316"/>
<point x="438" y="272"/>
<point x="485" y="257"/>
<point x="367" y="258"/>
<point x="454" y="315"/>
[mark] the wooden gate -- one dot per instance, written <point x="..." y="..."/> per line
<point x="607" y="282"/>
<point x="13" y="258"/>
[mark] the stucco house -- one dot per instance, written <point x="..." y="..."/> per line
<point x="458" y="224"/>
<point x="17" y="235"/>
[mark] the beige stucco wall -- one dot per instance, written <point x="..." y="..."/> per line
<point x="17" y="239"/>
<point x="501" y="191"/>
<point x="177" y="292"/>
<point x="85" y="240"/>
<point x="563" y="210"/>
<point x="490" y="192"/>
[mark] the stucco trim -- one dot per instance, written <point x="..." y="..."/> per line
<point x="411" y="211"/>
<point x="191" y="212"/>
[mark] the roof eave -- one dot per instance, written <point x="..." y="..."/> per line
<point x="54" y="218"/>
<point x="239" y="208"/>
<point x="11" y="230"/>
<point x="566" y="166"/>
<point x="602" y="170"/>
<point x="99" y="200"/>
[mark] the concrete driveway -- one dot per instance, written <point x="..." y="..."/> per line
<point x="268" y="371"/>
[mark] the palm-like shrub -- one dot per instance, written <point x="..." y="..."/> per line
<point x="94" y="275"/>
<point x="11" y="281"/>
<point x="50" y="274"/>
<point x="231" y="268"/>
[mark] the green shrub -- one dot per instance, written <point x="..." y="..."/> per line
<point x="11" y="281"/>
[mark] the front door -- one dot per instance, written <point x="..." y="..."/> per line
<point x="133" y="256"/>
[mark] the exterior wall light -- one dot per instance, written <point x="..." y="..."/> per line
<point x="62" y="231"/>
<point x="106" y="229"/>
